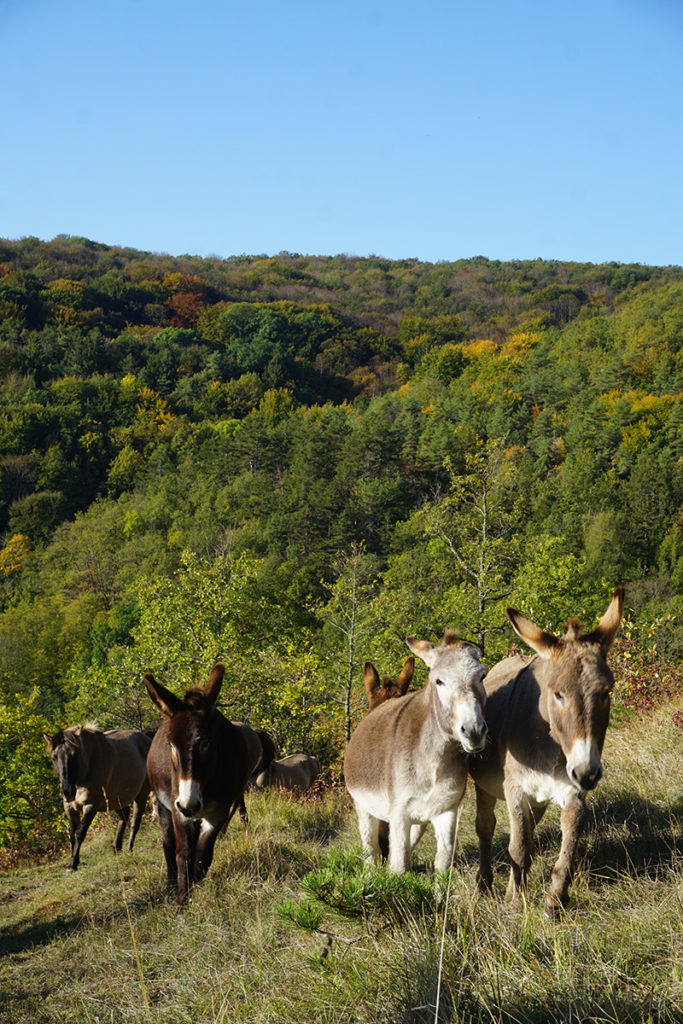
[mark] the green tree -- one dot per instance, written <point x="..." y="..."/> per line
<point x="477" y="526"/>
<point x="348" y="621"/>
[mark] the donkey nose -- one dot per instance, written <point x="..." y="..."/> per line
<point x="588" y="779"/>
<point x="190" y="809"/>
<point x="475" y="735"/>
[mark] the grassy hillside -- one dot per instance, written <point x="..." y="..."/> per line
<point x="105" y="945"/>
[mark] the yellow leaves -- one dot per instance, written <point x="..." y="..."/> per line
<point x="517" y="349"/>
<point x="636" y="437"/>
<point x="482" y="349"/>
<point x="153" y="411"/>
<point x="14" y="553"/>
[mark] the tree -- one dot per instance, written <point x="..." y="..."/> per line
<point x="348" y="619"/>
<point x="477" y="524"/>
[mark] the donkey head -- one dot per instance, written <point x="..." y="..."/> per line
<point x="191" y="739"/>
<point x="578" y="683"/>
<point x="456" y="676"/>
<point x="378" y="691"/>
<point x="65" y="750"/>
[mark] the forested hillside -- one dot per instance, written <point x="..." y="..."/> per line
<point x="291" y="463"/>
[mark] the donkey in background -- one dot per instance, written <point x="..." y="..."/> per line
<point x="406" y="762"/>
<point x="378" y="691"/>
<point x="198" y="766"/>
<point x="295" y="773"/>
<point x="100" y="771"/>
<point x="547" y="717"/>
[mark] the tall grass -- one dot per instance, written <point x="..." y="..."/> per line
<point x="289" y="926"/>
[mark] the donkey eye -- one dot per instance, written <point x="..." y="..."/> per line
<point x="204" y="746"/>
<point x="439" y="682"/>
<point x="559" y="697"/>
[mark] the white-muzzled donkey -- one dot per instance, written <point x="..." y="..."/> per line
<point x="406" y="763"/>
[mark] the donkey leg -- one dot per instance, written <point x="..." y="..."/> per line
<point x="243" y="811"/>
<point x="444" y="828"/>
<point x="571" y="822"/>
<point x="135" y="821"/>
<point x="521" y="843"/>
<point x="89" y="813"/>
<point x="168" y="843"/>
<point x="73" y="817"/>
<point x="123" y="814"/>
<point x="416" y="833"/>
<point x="203" y="855"/>
<point x="185" y="844"/>
<point x="139" y="804"/>
<point x="368" y="826"/>
<point x="399" y="850"/>
<point x="486" y="826"/>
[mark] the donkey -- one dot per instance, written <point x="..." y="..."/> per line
<point x="547" y="718"/>
<point x="100" y="771"/>
<point x="295" y="773"/>
<point x="406" y="762"/>
<point x="198" y="767"/>
<point x="377" y="692"/>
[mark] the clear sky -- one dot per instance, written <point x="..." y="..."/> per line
<point x="437" y="129"/>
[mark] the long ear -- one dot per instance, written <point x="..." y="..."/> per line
<point x="213" y="687"/>
<point x="405" y="676"/>
<point x="540" y="641"/>
<point x="607" y="627"/>
<point x="50" y="741"/>
<point x="423" y="648"/>
<point x="166" y="701"/>
<point x="370" y="680"/>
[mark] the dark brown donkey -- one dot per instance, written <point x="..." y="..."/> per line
<point x="198" y="766"/>
<point x="378" y="692"/>
<point x="100" y="771"/>
<point x="547" y="717"/>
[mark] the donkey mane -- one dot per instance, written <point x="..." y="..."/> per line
<point x="196" y="700"/>
<point x="574" y="629"/>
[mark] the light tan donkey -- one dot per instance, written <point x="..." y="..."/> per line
<point x="406" y="763"/>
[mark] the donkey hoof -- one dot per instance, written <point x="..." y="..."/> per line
<point x="553" y="908"/>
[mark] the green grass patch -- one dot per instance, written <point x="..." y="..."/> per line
<point x="291" y="927"/>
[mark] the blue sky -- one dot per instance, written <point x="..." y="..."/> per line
<point x="436" y="129"/>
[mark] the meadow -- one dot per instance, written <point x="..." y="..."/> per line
<point x="290" y="927"/>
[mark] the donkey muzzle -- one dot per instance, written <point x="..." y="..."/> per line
<point x="583" y="765"/>
<point x="189" y="801"/>
<point x="473" y="737"/>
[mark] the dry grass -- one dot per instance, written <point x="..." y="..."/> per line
<point x="103" y="944"/>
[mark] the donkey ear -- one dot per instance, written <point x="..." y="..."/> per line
<point x="607" y="627"/>
<point x="49" y="742"/>
<point x="371" y="680"/>
<point x="166" y="701"/>
<point x="405" y="676"/>
<point x="423" y="648"/>
<point x="540" y="641"/>
<point x="213" y="687"/>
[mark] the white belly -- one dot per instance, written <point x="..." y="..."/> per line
<point x="545" y="789"/>
<point x="415" y="807"/>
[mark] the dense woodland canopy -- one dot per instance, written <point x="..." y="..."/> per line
<point x="291" y="463"/>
